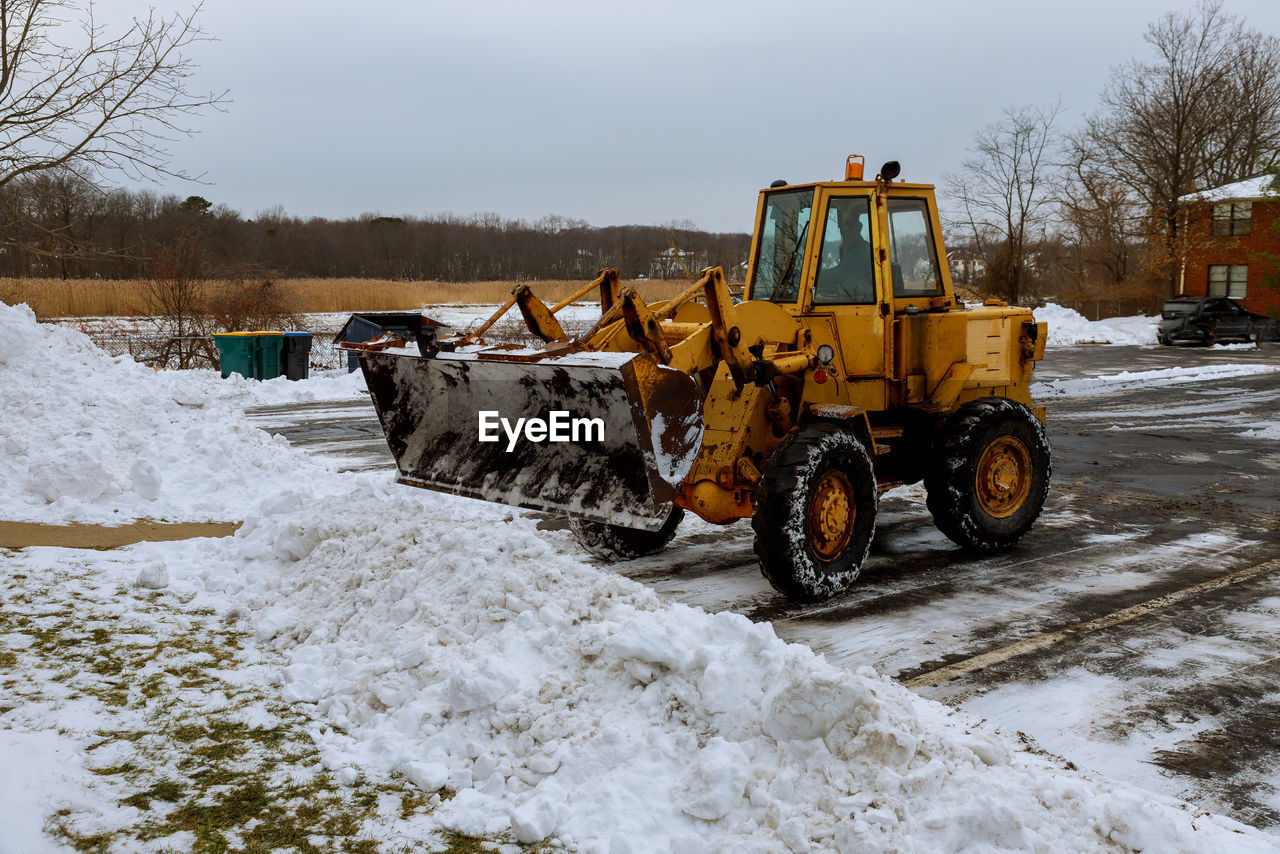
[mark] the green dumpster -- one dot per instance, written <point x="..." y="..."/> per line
<point x="235" y="353"/>
<point x="269" y="355"/>
<point x="252" y="355"/>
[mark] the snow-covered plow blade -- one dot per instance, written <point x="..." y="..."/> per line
<point x="603" y="436"/>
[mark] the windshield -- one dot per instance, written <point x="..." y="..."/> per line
<point x="782" y="235"/>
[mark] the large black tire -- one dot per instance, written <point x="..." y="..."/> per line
<point x="614" y="542"/>
<point x="989" y="475"/>
<point x="815" y="512"/>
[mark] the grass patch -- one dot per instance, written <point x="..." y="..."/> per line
<point x="54" y="298"/>
<point x="59" y="829"/>
<point x="221" y="763"/>
<point x="165" y="790"/>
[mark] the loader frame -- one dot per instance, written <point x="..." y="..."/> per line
<point x="894" y="371"/>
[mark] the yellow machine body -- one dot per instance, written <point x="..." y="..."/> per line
<point x="899" y="358"/>
<point x="891" y="364"/>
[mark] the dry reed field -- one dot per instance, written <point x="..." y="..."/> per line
<point x="57" y="298"/>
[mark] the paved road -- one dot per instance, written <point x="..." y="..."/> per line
<point x="1133" y="632"/>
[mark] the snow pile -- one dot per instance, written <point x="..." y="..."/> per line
<point x="1068" y="327"/>
<point x="454" y="643"/>
<point x="462" y="649"/>
<point x="87" y="437"/>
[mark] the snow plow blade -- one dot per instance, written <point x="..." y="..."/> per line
<point x="624" y="430"/>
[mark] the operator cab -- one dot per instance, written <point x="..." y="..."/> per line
<point x="851" y="243"/>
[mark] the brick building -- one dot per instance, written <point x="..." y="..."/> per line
<point x="1228" y="227"/>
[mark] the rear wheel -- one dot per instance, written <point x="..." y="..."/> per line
<point x="815" y="512"/>
<point x="989" y="475"/>
<point x="614" y="542"/>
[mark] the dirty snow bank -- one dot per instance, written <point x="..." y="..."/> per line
<point x="1068" y="327"/>
<point x="87" y="437"/>
<point x="461" y="649"/>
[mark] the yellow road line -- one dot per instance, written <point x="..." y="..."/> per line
<point x="986" y="659"/>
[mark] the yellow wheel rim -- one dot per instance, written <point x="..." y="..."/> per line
<point x="1002" y="480"/>
<point x="831" y="515"/>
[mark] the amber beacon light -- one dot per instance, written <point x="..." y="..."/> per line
<point x="853" y="167"/>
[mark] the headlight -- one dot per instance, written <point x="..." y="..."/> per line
<point x="826" y="353"/>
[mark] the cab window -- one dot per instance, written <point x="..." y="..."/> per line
<point x="912" y="258"/>
<point x="783" y="233"/>
<point x="846" y="269"/>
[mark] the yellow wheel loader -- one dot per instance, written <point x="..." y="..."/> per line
<point x="848" y="370"/>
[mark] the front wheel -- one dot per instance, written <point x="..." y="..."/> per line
<point x="815" y="512"/>
<point x="989" y="476"/>
<point x="614" y="542"/>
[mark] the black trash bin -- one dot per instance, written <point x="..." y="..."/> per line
<point x="368" y="325"/>
<point x="297" y="355"/>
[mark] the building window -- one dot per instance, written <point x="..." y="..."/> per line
<point x="1228" y="280"/>
<point x="1232" y="218"/>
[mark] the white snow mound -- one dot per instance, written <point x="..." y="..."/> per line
<point x="463" y="649"/>
<point x="1068" y="327"/>
<point x="87" y="437"/>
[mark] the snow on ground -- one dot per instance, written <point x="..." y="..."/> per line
<point x="1068" y="327"/>
<point x="450" y="643"/>
<point x="1128" y="380"/>
<point x="136" y="720"/>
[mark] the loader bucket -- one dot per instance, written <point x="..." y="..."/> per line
<point x="633" y="429"/>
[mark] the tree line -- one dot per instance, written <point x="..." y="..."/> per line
<point x="58" y="224"/>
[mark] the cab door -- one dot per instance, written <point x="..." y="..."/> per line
<point x="844" y="292"/>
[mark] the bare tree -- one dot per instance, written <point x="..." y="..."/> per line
<point x="1003" y="194"/>
<point x="1103" y="223"/>
<point x="175" y="299"/>
<point x="1203" y="112"/>
<point x="93" y="101"/>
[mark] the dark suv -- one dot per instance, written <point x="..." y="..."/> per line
<point x="1210" y="320"/>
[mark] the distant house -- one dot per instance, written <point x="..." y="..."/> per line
<point x="1228" y="226"/>
<point x="967" y="265"/>
<point x="584" y="263"/>
<point x="672" y="262"/>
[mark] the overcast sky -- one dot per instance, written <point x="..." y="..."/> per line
<point x="621" y="113"/>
